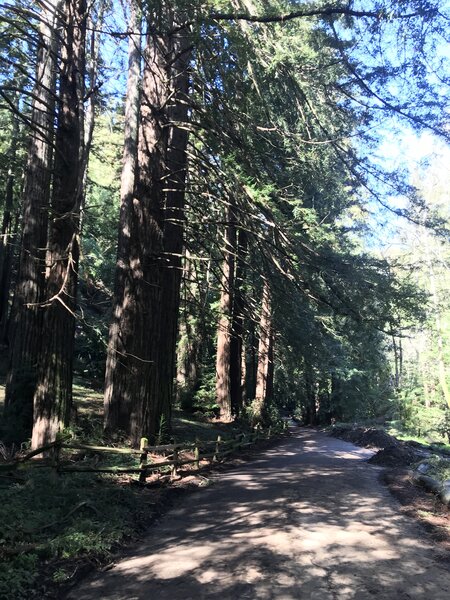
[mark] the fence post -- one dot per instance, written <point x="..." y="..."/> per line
<point x="174" y="472"/>
<point x="143" y="460"/>
<point x="217" y="452"/>
<point x="269" y="432"/>
<point x="197" y="454"/>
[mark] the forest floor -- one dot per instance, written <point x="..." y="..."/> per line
<point x="56" y="528"/>
<point x="306" y="519"/>
<point x="52" y="539"/>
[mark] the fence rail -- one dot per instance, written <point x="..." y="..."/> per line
<point x="212" y="450"/>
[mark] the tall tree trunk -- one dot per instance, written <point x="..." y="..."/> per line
<point x="142" y="349"/>
<point x="134" y="385"/>
<point x="264" y="376"/>
<point x="95" y="26"/>
<point x="251" y="367"/>
<point x="270" y="367"/>
<point x="174" y="218"/>
<point x="335" y="399"/>
<point x="396" y="362"/>
<point x="223" y="382"/>
<point x="29" y="289"/>
<point x="53" y="397"/>
<point x="311" y="395"/>
<point x="6" y="247"/>
<point x="118" y="399"/>
<point x="186" y="349"/>
<point x="237" y="364"/>
<point x="243" y="371"/>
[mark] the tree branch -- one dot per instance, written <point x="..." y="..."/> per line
<point x="329" y="11"/>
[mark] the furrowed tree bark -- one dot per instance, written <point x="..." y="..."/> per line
<point x="243" y="370"/>
<point x="251" y="362"/>
<point x="26" y="329"/>
<point x="237" y="356"/>
<point x="264" y="375"/>
<point x="6" y="246"/>
<point x="95" y="26"/>
<point x="134" y="382"/>
<point x="178" y="113"/>
<point x="143" y="338"/>
<point x="53" y="396"/>
<point x="223" y="382"/>
<point x="270" y="366"/>
<point x="118" y="400"/>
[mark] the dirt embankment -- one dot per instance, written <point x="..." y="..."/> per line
<point x="391" y="451"/>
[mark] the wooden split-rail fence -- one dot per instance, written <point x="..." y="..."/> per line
<point x="174" y="455"/>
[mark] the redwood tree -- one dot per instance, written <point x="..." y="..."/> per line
<point x="138" y="383"/>
<point x="53" y="396"/>
<point x="7" y="230"/>
<point x="174" y="220"/>
<point x="237" y="349"/>
<point x="224" y="330"/>
<point x="26" y="334"/>
<point x="264" y="376"/>
<point x="118" y="401"/>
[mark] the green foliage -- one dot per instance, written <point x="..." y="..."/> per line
<point x="204" y="399"/>
<point x="424" y="397"/>
<point x="62" y="518"/>
<point x="271" y="416"/>
<point x="439" y="468"/>
<point x="163" y="431"/>
<point x="17" y="576"/>
<point x="102" y="199"/>
<point x="276" y="109"/>
<point x="99" y="239"/>
<point x="90" y="346"/>
<point x="61" y="576"/>
<point x="425" y="422"/>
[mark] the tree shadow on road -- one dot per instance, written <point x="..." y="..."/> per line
<point x="308" y="524"/>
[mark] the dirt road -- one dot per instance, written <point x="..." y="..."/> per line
<point x="306" y="520"/>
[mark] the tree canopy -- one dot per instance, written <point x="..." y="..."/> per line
<point x="190" y="195"/>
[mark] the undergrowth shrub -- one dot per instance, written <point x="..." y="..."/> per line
<point x="47" y="517"/>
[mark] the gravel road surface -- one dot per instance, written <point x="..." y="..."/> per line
<point x="305" y="520"/>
